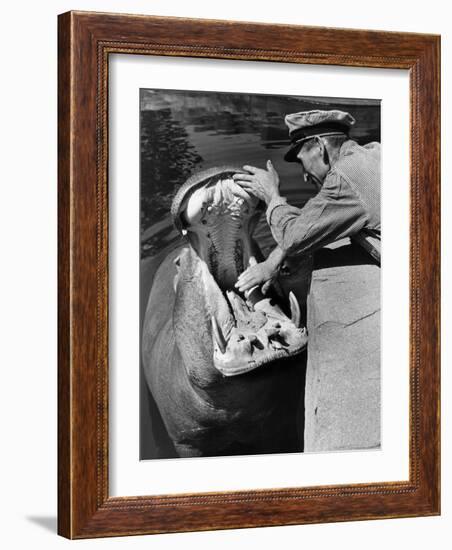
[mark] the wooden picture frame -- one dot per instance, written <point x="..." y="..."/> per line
<point x="85" y="42"/>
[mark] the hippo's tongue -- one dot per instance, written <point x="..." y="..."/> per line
<point x="219" y="219"/>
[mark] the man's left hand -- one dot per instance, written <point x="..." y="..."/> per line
<point x="264" y="184"/>
<point x="256" y="274"/>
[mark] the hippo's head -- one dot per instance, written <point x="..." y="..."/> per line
<point x="246" y="331"/>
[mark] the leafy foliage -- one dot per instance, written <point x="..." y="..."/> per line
<point x="167" y="160"/>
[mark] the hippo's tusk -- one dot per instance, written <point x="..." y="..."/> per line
<point x="295" y="315"/>
<point x="219" y="338"/>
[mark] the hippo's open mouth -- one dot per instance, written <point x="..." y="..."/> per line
<point x="218" y="218"/>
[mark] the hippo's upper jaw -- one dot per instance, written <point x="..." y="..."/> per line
<point x="248" y="331"/>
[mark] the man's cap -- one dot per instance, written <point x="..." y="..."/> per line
<point x="308" y="124"/>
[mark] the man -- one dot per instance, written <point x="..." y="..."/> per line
<point x="347" y="177"/>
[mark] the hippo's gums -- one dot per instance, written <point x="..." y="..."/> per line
<point x="224" y="369"/>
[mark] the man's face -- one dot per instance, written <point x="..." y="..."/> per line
<point x="314" y="166"/>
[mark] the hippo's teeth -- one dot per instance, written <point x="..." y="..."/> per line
<point x="219" y="338"/>
<point x="271" y="332"/>
<point x="244" y="346"/>
<point x="240" y="192"/>
<point x="276" y="345"/>
<point x="295" y="314"/>
<point x="254" y="341"/>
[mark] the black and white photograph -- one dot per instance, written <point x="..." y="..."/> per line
<point x="260" y="274"/>
<point x="224" y="235"/>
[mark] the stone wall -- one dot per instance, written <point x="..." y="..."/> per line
<point x="342" y="398"/>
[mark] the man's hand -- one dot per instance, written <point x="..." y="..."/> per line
<point x="264" y="184"/>
<point x="258" y="274"/>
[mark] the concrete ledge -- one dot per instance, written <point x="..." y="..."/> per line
<point x="342" y="399"/>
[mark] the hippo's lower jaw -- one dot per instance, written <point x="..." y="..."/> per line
<point x="247" y="331"/>
<point x="261" y="333"/>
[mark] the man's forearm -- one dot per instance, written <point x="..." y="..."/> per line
<point x="276" y="257"/>
<point x="318" y="223"/>
<point x="280" y="218"/>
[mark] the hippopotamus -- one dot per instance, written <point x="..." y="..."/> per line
<point x="225" y="369"/>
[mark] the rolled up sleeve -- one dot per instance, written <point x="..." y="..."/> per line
<point x="334" y="213"/>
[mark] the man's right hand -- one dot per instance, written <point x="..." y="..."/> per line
<point x="264" y="184"/>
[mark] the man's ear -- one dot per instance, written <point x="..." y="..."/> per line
<point x="323" y="150"/>
<point x="320" y="145"/>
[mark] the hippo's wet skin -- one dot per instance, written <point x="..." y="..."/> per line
<point x="224" y="369"/>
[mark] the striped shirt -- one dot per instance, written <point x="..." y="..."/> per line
<point x="347" y="204"/>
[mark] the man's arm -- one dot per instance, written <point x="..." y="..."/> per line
<point x="264" y="184"/>
<point x="334" y="213"/>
